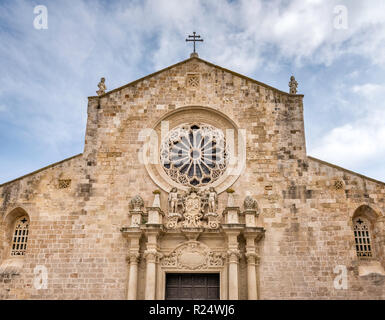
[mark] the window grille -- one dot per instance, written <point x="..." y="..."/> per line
<point x="20" y="237"/>
<point x="362" y="238"/>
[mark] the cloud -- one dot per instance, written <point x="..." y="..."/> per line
<point x="352" y="144"/>
<point x="358" y="145"/>
<point x="369" y="90"/>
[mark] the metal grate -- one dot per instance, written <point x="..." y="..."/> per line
<point x="362" y="238"/>
<point x="20" y="237"/>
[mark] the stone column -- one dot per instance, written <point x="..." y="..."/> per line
<point x="252" y="293"/>
<point x="133" y="277"/>
<point x="151" y="255"/>
<point x="232" y="231"/>
<point x="252" y="234"/>
<point x="233" y="274"/>
<point x="133" y="234"/>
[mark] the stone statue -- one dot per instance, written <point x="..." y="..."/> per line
<point x="102" y="87"/>
<point x="293" y="85"/>
<point x="173" y="200"/>
<point x="213" y="199"/>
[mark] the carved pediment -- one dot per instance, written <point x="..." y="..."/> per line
<point x="193" y="255"/>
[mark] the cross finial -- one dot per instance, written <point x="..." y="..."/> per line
<point x="194" y="38"/>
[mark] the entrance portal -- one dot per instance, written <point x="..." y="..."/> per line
<point x="192" y="286"/>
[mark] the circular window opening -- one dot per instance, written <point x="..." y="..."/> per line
<point x="194" y="154"/>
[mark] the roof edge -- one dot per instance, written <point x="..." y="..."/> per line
<point x="204" y="61"/>
<point x="39" y="170"/>
<point x="346" y="170"/>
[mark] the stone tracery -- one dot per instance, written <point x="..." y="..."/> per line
<point x="194" y="154"/>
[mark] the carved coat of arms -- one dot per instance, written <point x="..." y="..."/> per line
<point x="192" y="213"/>
<point x="189" y="208"/>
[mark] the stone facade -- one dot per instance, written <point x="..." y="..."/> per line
<point x="108" y="223"/>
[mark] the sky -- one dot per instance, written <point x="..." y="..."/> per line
<point x="335" y="49"/>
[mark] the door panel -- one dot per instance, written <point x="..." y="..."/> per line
<point x="192" y="286"/>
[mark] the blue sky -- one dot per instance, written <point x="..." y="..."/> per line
<point x="47" y="74"/>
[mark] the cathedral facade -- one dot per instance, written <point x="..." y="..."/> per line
<point x="194" y="183"/>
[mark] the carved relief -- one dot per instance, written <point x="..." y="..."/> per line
<point x="193" y="255"/>
<point x="64" y="183"/>
<point x="192" y="209"/>
<point x="193" y="80"/>
<point x="192" y="215"/>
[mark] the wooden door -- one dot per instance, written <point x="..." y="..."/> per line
<point x="192" y="286"/>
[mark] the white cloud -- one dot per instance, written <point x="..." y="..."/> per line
<point x="352" y="144"/>
<point x="358" y="145"/>
<point x="370" y="90"/>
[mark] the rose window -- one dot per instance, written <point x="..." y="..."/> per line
<point x="194" y="155"/>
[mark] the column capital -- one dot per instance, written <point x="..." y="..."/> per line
<point x="152" y="255"/>
<point x="233" y="255"/>
<point x="252" y="258"/>
<point x="133" y="257"/>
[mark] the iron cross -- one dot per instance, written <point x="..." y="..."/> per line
<point x="194" y="39"/>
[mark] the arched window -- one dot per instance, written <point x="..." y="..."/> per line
<point x="20" y="236"/>
<point x="362" y="237"/>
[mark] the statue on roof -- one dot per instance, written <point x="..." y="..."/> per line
<point x="102" y="87"/>
<point x="293" y="84"/>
